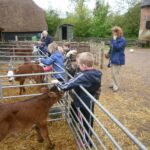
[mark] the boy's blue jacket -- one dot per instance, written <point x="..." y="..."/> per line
<point x="117" y="55"/>
<point x="55" y="58"/>
<point x="89" y="79"/>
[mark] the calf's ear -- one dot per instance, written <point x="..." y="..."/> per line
<point x="52" y="95"/>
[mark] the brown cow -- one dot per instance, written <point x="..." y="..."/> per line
<point x="27" y="69"/>
<point x="27" y="60"/>
<point x="28" y="113"/>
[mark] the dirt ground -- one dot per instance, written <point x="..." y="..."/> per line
<point x="130" y="105"/>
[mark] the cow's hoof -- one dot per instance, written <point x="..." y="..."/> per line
<point x="40" y="140"/>
<point x="51" y="147"/>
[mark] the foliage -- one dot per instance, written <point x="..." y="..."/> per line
<point x="53" y="20"/>
<point x="132" y="21"/>
<point x="82" y="20"/>
<point x="129" y="21"/>
<point x="98" y="22"/>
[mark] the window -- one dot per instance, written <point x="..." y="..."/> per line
<point x="148" y="25"/>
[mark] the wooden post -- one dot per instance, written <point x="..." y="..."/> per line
<point x="1" y="90"/>
<point x="102" y="54"/>
<point x="99" y="55"/>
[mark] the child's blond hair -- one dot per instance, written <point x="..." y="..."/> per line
<point x="61" y="49"/>
<point x="85" y="58"/>
<point x="52" y="47"/>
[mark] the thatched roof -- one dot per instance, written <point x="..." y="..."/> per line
<point x="145" y="3"/>
<point x="21" y="16"/>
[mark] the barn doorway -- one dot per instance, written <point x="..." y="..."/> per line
<point x="64" y="33"/>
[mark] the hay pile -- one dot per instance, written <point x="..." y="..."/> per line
<point x="58" y="132"/>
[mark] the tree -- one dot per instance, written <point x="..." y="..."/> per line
<point x="100" y="22"/>
<point x="124" y="5"/>
<point x="129" y="21"/>
<point x="53" y="21"/>
<point x="132" y="21"/>
<point x="82" y="20"/>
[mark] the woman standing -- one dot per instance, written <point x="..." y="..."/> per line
<point x="117" y="55"/>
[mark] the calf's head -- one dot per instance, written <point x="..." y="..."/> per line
<point x="55" y="96"/>
<point x="55" y="93"/>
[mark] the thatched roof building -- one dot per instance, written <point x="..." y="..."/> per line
<point x="21" y="16"/>
<point x="144" y="32"/>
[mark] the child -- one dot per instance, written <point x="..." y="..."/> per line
<point x="55" y="58"/>
<point x="66" y="47"/>
<point x="44" y="42"/>
<point x="69" y="56"/>
<point x="90" y="79"/>
<point x="68" y="53"/>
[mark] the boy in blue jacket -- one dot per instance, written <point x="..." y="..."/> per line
<point x="56" y="59"/>
<point x="90" y="79"/>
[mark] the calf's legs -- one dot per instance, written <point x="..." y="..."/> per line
<point x="4" y="130"/>
<point x="39" y="137"/>
<point x="44" y="134"/>
<point x="22" y="89"/>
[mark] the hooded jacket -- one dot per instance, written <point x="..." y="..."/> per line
<point x="55" y="58"/>
<point x="89" y="79"/>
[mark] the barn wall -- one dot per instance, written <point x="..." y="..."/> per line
<point x="22" y="36"/>
<point x="60" y="34"/>
<point x="144" y="34"/>
<point x="69" y="33"/>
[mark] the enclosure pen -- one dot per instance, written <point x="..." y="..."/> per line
<point x="63" y="111"/>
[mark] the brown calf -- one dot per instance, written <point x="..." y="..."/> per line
<point x="27" y="60"/>
<point x="24" y="114"/>
<point x="28" y="68"/>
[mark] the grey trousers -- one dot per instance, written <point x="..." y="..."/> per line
<point x="115" y="69"/>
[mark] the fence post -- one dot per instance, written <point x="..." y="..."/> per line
<point x="102" y="54"/>
<point x="99" y="55"/>
<point x="1" y="90"/>
<point x="66" y="99"/>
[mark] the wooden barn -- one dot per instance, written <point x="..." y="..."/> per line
<point x="21" y="19"/>
<point x="64" y="32"/>
<point x="144" y="32"/>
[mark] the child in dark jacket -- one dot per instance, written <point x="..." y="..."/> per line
<point x="55" y="59"/>
<point x="69" y="57"/>
<point x="90" y="79"/>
